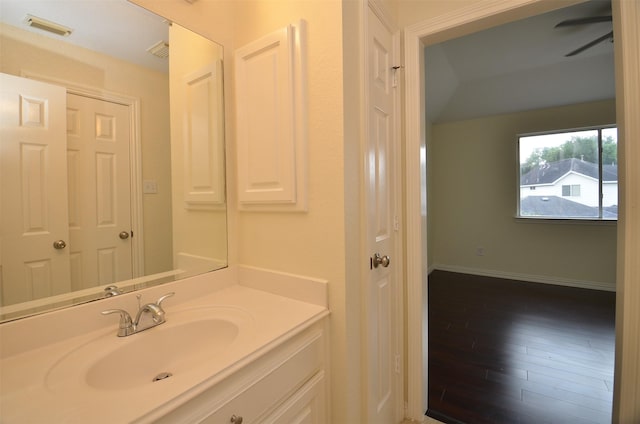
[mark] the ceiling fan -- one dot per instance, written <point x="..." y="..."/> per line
<point x="584" y="21"/>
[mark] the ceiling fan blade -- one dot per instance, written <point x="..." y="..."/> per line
<point x="591" y="44"/>
<point x="582" y="21"/>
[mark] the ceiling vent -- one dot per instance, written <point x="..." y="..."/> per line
<point x="45" y="25"/>
<point x="160" y="49"/>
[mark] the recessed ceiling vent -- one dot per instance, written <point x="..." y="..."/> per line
<point x="45" y="25"/>
<point x="160" y="49"/>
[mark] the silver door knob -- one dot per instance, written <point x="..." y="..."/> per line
<point x="59" y="244"/>
<point x="124" y="235"/>
<point x="381" y="260"/>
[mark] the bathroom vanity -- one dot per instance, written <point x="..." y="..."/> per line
<point x="242" y="345"/>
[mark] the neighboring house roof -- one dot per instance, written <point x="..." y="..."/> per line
<point x="551" y="172"/>
<point x="554" y="206"/>
<point x="610" y="173"/>
<point x="610" y="212"/>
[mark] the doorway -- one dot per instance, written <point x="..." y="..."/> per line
<point x="467" y="21"/>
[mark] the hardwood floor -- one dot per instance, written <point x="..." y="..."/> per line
<point x="503" y="351"/>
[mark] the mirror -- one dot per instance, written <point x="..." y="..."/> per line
<point x="128" y="186"/>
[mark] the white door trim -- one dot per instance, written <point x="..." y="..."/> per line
<point x="470" y="19"/>
<point x="626" y="408"/>
<point x="135" y="157"/>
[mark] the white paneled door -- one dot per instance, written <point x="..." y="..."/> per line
<point x="382" y="342"/>
<point x="99" y="186"/>
<point x="34" y="234"/>
<point x="66" y="191"/>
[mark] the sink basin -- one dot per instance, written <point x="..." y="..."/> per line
<point x="188" y="339"/>
<point x="165" y="350"/>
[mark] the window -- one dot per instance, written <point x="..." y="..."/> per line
<point x="571" y="190"/>
<point x="569" y="174"/>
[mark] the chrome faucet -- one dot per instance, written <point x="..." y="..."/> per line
<point x="148" y="316"/>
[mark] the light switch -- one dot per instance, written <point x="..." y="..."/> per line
<point x="150" y="187"/>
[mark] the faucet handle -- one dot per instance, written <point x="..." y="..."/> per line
<point x="126" y="325"/>
<point x="164" y="297"/>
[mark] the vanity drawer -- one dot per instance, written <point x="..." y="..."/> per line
<point x="306" y="405"/>
<point x="259" y="389"/>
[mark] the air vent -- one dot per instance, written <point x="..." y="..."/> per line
<point x="45" y="25"/>
<point x="160" y="49"/>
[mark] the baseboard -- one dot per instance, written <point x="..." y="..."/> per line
<point x="592" y="285"/>
<point x="441" y="418"/>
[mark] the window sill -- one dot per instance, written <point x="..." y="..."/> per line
<point x="567" y="221"/>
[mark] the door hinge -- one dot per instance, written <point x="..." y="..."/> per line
<point x="398" y="364"/>
<point x="396" y="223"/>
<point x="394" y="77"/>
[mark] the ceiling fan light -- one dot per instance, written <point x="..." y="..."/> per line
<point x="45" y="25"/>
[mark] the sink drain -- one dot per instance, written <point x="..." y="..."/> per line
<point x="162" y="376"/>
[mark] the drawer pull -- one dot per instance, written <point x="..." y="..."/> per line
<point x="235" y="419"/>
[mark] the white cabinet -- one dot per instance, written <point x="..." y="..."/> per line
<point x="270" y="78"/>
<point x="285" y="385"/>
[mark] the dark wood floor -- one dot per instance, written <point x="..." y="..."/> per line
<point x="503" y="351"/>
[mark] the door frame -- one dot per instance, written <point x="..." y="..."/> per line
<point x="135" y="157"/>
<point x="474" y="18"/>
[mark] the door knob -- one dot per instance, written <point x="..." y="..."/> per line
<point x="59" y="244"/>
<point x="124" y="235"/>
<point x="381" y="260"/>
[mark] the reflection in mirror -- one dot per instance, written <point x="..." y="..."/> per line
<point x="112" y="154"/>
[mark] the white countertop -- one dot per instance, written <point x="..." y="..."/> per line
<point x="27" y="395"/>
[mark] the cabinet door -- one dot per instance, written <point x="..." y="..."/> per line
<point x="266" y="389"/>
<point x="305" y="406"/>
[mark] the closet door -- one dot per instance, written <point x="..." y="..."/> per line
<point x="99" y="181"/>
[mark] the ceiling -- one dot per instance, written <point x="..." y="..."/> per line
<point x="514" y="67"/>
<point x="113" y="27"/>
<point x="520" y="66"/>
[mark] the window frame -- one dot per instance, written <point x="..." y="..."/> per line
<point x="599" y="218"/>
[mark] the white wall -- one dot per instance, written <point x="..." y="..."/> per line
<point x="473" y="196"/>
<point x="610" y="194"/>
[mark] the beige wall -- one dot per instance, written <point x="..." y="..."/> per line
<point x="310" y="243"/>
<point x="473" y="194"/>
<point x="409" y="12"/>
<point x="23" y="51"/>
<point x="219" y="21"/>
